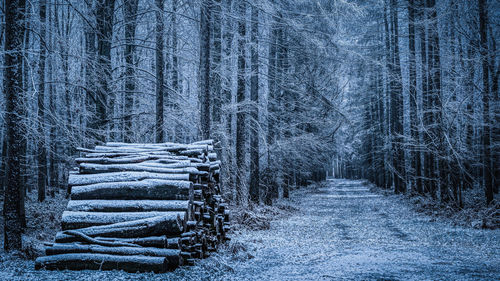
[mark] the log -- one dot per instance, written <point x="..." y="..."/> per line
<point x="163" y="225"/>
<point x="106" y="262"/>
<point x="162" y="242"/>
<point x="146" y="189"/>
<point x="58" y="249"/>
<point x="201" y="166"/>
<point x="87" y="239"/>
<point x="130" y="149"/>
<point x="192" y="152"/>
<point x="175" y="164"/>
<point x="120" y="144"/>
<point x="79" y="179"/>
<point x="153" y="241"/>
<point x="127" y="205"/>
<point x="185" y="147"/>
<point x="114" y="160"/>
<point x="89" y="168"/>
<point x="76" y="220"/>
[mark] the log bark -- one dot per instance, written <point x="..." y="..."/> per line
<point x="142" y="145"/>
<point x="172" y="164"/>
<point x="115" y="160"/>
<point x="58" y="249"/>
<point x="87" y="239"/>
<point x="129" y="149"/>
<point x="76" y="220"/>
<point x="153" y="241"/>
<point x="127" y="205"/>
<point x="163" y="225"/>
<point x="145" y="148"/>
<point x="146" y="189"/>
<point x="106" y="262"/>
<point x="89" y="168"/>
<point x="78" y="179"/>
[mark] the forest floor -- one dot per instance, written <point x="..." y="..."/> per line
<point x="338" y="230"/>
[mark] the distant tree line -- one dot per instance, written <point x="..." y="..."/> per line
<point x="427" y="81"/>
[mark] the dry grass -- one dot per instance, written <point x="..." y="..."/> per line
<point x="258" y="217"/>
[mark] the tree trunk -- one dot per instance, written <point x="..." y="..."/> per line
<point x="14" y="25"/>
<point x="90" y="75"/>
<point x="415" y="154"/>
<point x="205" y="17"/>
<point x="488" y="168"/>
<point x="160" y="135"/>
<point x="396" y="106"/>
<point x="175" y="57"/>
<point x="254" y="93"/>
<point x="130" y="17"/>
<point x="241" y="195"/>
<point x="271" y="109"/>
<point x="42" y="152"/>
<point x="436" y="162"/>
<point x="104" y="12"/>
<point x="428" y="160"/>
<point x="228" y="179"/>
<point x="216" y="62"/>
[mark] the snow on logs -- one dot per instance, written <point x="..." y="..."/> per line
<point x="145" y="189"/>
<point x="140" y="207"/>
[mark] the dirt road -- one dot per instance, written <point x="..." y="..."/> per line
<point x="344" y="231"/>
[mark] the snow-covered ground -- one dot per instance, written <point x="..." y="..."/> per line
<point x="341" y="231"/>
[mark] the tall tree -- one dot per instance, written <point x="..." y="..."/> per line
<point x="228" y="178"/>
<point x="42" y="152"/>
<point x="159" y="71"/>
<point x="254" y="95"/>
<point x="205" y="16"/>
<point x="387" y="100"/>
<point x="415" y="155"/>
<point x="104" y="19"/>
<point x="90" y="71"/>
<point x="435" y="127"/>
<point x="487" y="162"/>
<point x="90" y="95"/>
<point x="130" y="17"/>
<point x="396" y="104"/>
<point x="241" y="195"/>
<point x="426" y="110"/>
<point x="175" y="57"/>
<point x="215" y="72"/>
<point x="272" y="189"/>
<point x="13" y="57"/>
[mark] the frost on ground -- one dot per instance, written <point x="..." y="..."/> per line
<point x="473" y="213"/>
<point x="340" y="230"/>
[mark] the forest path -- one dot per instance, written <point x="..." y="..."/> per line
<point x="344" y="231"/>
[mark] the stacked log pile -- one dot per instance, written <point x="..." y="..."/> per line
<point x="141" y="207"/>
